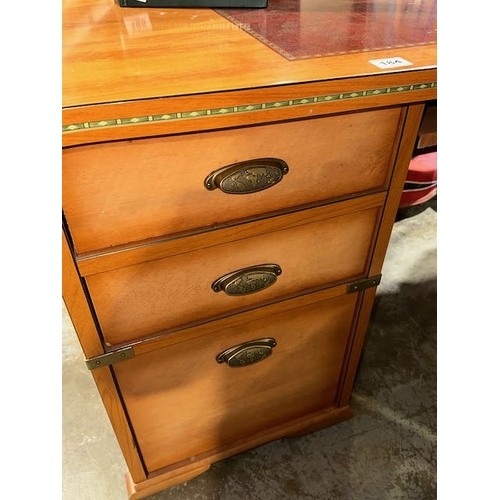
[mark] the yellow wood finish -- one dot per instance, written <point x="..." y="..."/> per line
<point x="77" y="305"/>
<point x="126" y="256"/>
<point x="166" y="392"/>
<point x="168" y="476"/>
<point x="124" y="192"/>
<point x="112" y="72"/>
<point x="80" y="314"/>
<point x="95" y="124"/>
<point x="154" y="485"/>
<point x="137" y="301"/>
<point x="233" y="321"/>
<point x="363" y="317"/>
<point x="105" y="62"/>
<point x="406" y="146"/>
<point x="147" y="115"/>
<point x="110" y="396"/>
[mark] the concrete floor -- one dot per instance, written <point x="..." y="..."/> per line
<point x="387" y="451"/>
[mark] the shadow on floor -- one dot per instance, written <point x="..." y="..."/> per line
<point x="387" y="451"/>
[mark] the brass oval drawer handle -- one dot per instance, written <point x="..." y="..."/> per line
<point x="247" y="176"/>
<point x="248" y="280"/>
<point x="247" y="353"/>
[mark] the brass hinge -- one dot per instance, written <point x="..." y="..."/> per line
<point x="110" y="358"/>
<point x="363" y="284"/>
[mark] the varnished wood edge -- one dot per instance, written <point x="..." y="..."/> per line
<point x="151" y="486"/>
<point x="98" y="263"/>
<point x="178" y="473"/>
<point x="404" y="153"/>
<point x="366" y="299"/>
<point x="110" y="396"/>
<point x="76" y="303"/>
<point x="233" y="320"/>
<point x="246" y="108"/>
<point x="405" y="148"/>
<point x="86" y="331"/>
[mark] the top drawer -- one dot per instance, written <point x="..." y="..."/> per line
<point x="125" y="192"/>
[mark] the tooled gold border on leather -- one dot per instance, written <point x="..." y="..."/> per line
<point x="188" y="115"/>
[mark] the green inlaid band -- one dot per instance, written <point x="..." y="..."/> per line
<point x="249" y="108"/>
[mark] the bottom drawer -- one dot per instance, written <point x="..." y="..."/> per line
<point x="183" y="403"/>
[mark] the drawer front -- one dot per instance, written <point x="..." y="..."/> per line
<point x="144" y="299"/>
<point x="125" y="192"/>
<point x="182" y="402"/>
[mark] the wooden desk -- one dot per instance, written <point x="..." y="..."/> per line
<point x="181" y="284"/>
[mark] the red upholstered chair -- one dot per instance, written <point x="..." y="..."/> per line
<point x="421" y="180"/>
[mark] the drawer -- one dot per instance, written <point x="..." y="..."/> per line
<point x="125" y="192"/>
<point x="183" y="403"/>
<point x="140" y="300"/>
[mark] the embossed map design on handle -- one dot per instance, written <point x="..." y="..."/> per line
<point x="248" y="280"/>
<point x="247" y="353"/>
<point x="247" y="176"/>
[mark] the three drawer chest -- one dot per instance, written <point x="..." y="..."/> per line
<point x="228" y="197"/>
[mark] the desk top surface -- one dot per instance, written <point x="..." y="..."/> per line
<point x="113" y="54"/>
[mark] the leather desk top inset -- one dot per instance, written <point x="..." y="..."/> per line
<point x="303" y="29"/>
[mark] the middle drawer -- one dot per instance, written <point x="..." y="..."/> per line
<point x="154" y="297"/>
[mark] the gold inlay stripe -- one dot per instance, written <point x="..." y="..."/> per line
<point x="248" y="108"/>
